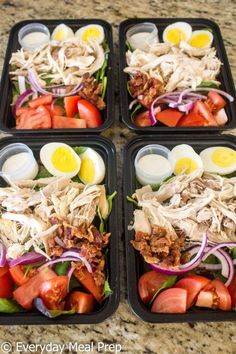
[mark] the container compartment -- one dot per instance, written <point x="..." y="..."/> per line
<point x="135" y="265"/>
<point x="7" y="121"/>
<point x="107" y="150"/>
<point x="225" y="76"/>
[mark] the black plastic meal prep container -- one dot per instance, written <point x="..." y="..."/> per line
<point x="225" y="76"/>
<point x="135" y="265"/>
<point x="7" y="121"/>
<point x="107" y="150"/>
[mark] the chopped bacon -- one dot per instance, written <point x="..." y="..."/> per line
<point x="145" y="89"/>
<point x="159" y="247"/>
<point x="91" y="91"/>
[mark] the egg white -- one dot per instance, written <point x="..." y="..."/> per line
<point x="46" y="159"/>
<point x="184" y="151"/>
<point x="99" y="165"/>
<point x="183" y="26"/>
<point x="79" y="33"/>
<point x="66" y="32"/>
<point x="210" y="166"/>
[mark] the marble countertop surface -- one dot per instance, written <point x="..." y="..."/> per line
<point x="123" y="327"/>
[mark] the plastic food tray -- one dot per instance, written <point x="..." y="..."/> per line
<point x="107" y="150"/>
<point x="135" y="264"/>
<point x="225" y="76"/>
<point x="7" y="121"/>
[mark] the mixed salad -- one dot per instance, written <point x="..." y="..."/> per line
<point x="53" y="237"/>
<point x="185" y="228"/>
<point x="61" y="82"/>
<point x="174" y="82"/>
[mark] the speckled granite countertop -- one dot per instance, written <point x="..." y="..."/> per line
<point x="124" y="328"/>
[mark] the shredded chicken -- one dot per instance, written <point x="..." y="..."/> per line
<point x="188" y="205"/>
<point x="56" y="217"/>
<point x="165" y="68"/>
<point x="62" y="62"/>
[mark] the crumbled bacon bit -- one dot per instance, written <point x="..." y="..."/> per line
<point x="91" y="91"/>
<point x="145" y="89"/>
<point x="159" y="247"/>
<point x="88" y="240"/>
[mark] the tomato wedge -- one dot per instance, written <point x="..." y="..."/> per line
<point x="71" y="107"/>
<point x="27" y="292"/>
<point x="67" y="123"/>
<point x="202" y="109"/>
<point x="18" y="275"/>
<point x="6" y="283"/>
<point x="149" y="283"/>
<point x="192" y="119"/>
<point x="89" y="113"/>
<point x="80" y="302"/>
<point x="173" y="300"/>
<point x="215" y="295"/>
<point x="232" y="291"/>
<point x="215" y="102"/>
<point x="29" y="118"/>
<point x="142" y="119"/>
<point x="87" y="280"/>
<point x="40" y="101"/>
<point x="53" y="292"/>
<point x="55" y="110"/>
<point x="169" y="117"/>
<point x="193" y="284"/>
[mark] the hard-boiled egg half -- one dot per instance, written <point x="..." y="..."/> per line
<point x="92" y="170"/>
<point x="90" y="33"/>
<point x="184" y="159"/>
<point x="219" y="159"/>
<point x="201" y="39"/>
<point x="177" y="32"/>
<point x="60" y="159"/>
<point x="62" y="32"/>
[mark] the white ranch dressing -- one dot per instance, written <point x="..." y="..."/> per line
<point x="34" y="39"/>
<point x="154" y="165"/>
<point x="14" y="167"/>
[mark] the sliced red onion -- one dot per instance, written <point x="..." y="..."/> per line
<point x="59" y="260"/>
<point x="3" y="255"/>
<point x="76" y="254"/>
<point x="185" y="107"/>
<point x="184" y="268"/>
<point x="36" y="85"/>
<point x="22" y="99"/>
<point x="226" y="266"/>
<point x="206" y="89"/>
<point x="69" y="274"/>
<point x="28" y="258"/>
<point x="152" y="115"/>
<point x="198" y="255"/>
<point x="21" y="82"/>
<point x="222" y="245"/>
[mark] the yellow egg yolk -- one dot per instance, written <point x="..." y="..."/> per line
<point x="87" y="170"/>
<point x="176" y="35"/>
<point x="200" y="40"/>
<point x="64" y="160"/>
<point x="224" y="157"/>
<point x="59" y="35"/>
<point x="90" y="34"/>
<point x="185" y="165"/>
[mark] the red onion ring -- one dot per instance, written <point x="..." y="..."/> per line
<point x="3" y="255"/>
<point x="35" y="84"/>
<point x="28" y="258"/>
